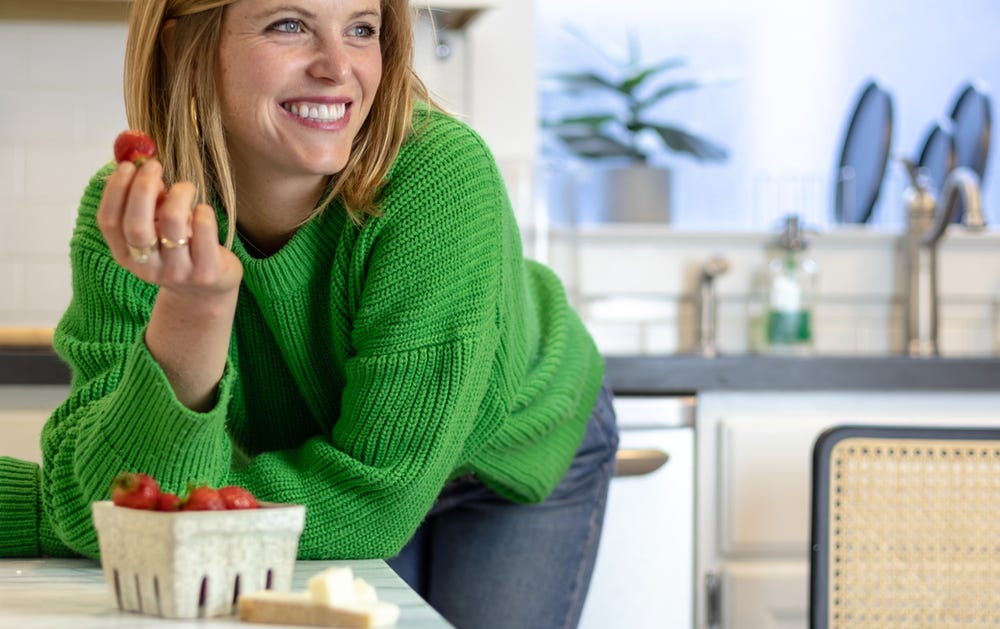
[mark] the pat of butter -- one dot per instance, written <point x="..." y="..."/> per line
<point x="364" y="591"/>
<point x="333" y="587"/>
<point x="290" y="598"/>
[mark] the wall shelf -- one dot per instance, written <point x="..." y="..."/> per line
<point x="65" y="10"/>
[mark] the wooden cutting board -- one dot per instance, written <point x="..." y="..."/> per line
<point x="25" y="336"/>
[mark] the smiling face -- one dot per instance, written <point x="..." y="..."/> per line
<point x="296" y="80"/>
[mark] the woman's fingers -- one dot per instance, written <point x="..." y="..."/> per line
<point x="173" y="232"/>
<point x="137" y="222"/>
<point x="215" y="267"/>
<point x="112" y="208"/>
<point x="173" y="216"/>
<point x="204" y="236"/>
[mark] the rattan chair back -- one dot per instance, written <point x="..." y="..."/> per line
<point x="905" y="528"/>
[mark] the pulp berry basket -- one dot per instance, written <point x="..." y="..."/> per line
<point x="190" y="564"/>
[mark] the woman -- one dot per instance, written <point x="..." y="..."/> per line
<point x="317" y="292"/>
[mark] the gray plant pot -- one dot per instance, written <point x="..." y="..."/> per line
<point x="623" y="194"/>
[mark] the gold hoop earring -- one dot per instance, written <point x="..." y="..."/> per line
<point x="193" y="113"/>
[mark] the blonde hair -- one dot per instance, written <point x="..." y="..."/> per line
<point x="176" y="103"/>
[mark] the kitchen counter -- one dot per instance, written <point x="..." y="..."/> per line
<point x="60" y="593"/>
<point x="688" y="374"/>
<point x="25" y="364"/>
<point x="685" y="374"/>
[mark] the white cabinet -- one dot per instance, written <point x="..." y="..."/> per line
<point x="23" y="411"/>
<point x="753" y="475"/>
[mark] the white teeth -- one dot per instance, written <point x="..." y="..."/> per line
<point x="326" y="113"/>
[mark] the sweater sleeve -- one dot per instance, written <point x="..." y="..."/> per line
<point x="24" y="529"/>
<point x="425" y="338"/>
<point x="121" y="413"/>
<point x="18" y="508"/>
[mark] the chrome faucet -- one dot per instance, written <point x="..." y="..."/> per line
<point x="928" y="217"/>
<point x="708" y="305"/>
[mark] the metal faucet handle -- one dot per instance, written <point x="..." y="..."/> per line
<point x="961" y="183"/>
<point x="919" y="178"/>
<point x="714" y="267"/>
<point x="968" y="186"/>
<point x="708" y="304"/>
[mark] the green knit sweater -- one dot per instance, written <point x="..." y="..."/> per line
<point x="368" y="366"/>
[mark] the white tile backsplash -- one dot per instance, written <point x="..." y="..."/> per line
<point x="72" y="164"/>
<point x="14" y="46"/>
<point x="49" y="288"/>
<point x="38" y="114"/>
<point x="12" y="280"/>
<point x="60" y="107"/>
<point x="11" y="174"/>
<point x="637" y="286"/>
<point x="76" y="55"/>
<point x="38" y="231"/>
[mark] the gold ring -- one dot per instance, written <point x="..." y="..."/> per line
<point x="173" y="244"/>
<point x="141" y="254"/>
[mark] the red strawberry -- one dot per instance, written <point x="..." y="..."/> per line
<point x="236" y="497"/>
<point x="168" y="502"/>
<point x="203" y="498"/>
<point x="137" y="491"/>
<point x="134" y="146"/>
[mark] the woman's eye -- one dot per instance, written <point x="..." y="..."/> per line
<point x="287" y="26"/>
<point x="365" y="31"/>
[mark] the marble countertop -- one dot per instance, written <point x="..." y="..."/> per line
<point x="71" y="593"/>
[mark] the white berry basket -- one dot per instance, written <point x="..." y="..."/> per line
<point x="192" y="564"/>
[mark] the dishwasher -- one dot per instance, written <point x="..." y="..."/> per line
<point x="644" y="575"/>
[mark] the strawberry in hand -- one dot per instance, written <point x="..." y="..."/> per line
<point x="134" y="146"/>
<point x="136" y="491"/>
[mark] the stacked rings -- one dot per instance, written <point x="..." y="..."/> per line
<point x="173" y="244"/>
<point x="142" y="254"/>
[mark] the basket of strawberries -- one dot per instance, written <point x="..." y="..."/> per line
<point x="193" y="556"/>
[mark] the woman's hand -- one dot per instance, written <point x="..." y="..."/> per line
<point x="164" y="238"/>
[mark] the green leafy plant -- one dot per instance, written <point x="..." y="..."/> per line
<point x="616" y="131"/>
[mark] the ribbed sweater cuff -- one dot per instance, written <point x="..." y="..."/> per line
<point x="19" y="491"/>
<point x="152" y="432"/>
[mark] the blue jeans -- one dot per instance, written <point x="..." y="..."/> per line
<point x="484" y="562"/>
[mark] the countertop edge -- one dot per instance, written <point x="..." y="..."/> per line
<point x="30" y="365"/>
<point x="681" y="374"/>
<point x="685" y="375"/>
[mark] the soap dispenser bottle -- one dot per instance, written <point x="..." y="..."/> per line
<point x="789" y="284"/>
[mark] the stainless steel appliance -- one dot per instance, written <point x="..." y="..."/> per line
<point x="645" y="565"/>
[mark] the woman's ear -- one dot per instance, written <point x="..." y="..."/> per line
<point x="167" y="40"/>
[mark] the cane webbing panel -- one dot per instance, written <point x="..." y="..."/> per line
<point x="914" y="531"/>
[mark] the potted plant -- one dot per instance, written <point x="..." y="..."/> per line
<point x="618" y="134"/>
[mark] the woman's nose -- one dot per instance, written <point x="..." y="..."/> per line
<point x="332" y="60"/>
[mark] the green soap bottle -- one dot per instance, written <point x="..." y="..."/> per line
<point x="790" y="286"/>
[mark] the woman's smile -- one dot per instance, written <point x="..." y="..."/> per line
<point x="317" y="112"/>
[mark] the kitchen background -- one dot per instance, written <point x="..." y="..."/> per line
<point x="794" y="69"/>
